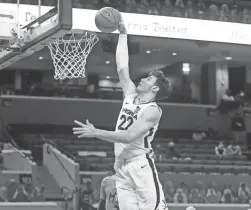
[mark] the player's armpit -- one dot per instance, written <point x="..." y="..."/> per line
<point x="127" y="84"/>
<point x="101" y="205"/>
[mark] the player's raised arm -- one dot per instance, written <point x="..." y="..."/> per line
<point x="101" y="205"/>
<point x="122" y="61"/>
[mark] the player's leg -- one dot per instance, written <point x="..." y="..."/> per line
<point x="127" y="199"/>
<point x="127" y="196"/>
<point x="149" y="190"/>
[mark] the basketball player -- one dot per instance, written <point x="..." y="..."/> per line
<point x="137" y="182"/>
<point x="108" y="194"/>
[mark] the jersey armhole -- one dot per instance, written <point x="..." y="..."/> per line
<point x="130" y="97"/>
<point x="155" y="105"/>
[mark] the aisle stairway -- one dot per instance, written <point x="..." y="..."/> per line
<point x="52" y="190"/>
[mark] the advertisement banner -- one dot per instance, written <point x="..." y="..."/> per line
<point x="151" y="25"/>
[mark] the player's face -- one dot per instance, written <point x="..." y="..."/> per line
<point x="147" y="84"/>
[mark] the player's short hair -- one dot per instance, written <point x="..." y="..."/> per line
<point x="164" y="84"/>
<point x="190" y="208"/>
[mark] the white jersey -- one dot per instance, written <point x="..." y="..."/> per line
<point x="129" y="114"/>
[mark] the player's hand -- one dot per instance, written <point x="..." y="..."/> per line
<point x="122" y="28"/>
<point x="85" y="130"/>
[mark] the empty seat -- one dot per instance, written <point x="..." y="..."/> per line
<point x="225" y="162"/>
<point x="181" y="169"/>
<point x="200" y="162"/>
<point x="196" y="169"/>
<point x="226" y="170"/>
<point x="101" y="167"/>
<point x="240" y="170"/>
<point x="209" y="169"/>
<point x="92" y="159"/>
<point x="107" y="160"/>
<point x="110" y="153"/>
<point x="164" y="168"/>
<point x="211" y="162"/>
<point x="248" y="171"/>
<point x="239" y="162"/>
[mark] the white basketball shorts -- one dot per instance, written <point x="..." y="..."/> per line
<point x="138" y="185"/>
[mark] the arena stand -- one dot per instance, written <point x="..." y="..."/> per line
<point x="198" y="174"/>
<point x="237" y="11"/>
<point x="196" y="161"/>
<point x="232" y="11"/>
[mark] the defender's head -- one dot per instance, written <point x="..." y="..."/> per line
<point x="156" y="83"/>
<point x="190" y="208"/>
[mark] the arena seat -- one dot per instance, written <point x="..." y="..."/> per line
<point x="211" y="170"/>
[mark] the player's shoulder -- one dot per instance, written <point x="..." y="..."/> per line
<point x="151" y="114"/>
<point x="106" y="181"/>
<point x="155" y="107"/>
<point x="153" y="110"/>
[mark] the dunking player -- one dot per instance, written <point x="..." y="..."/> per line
<point x="108" y="194"/>
<point x="137" y="182"/>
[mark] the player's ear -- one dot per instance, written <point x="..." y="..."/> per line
<point x="155" y="88"/>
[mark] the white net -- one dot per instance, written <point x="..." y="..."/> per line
<point x="69" y="54"/>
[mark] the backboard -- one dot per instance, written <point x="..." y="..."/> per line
<point x="25" y="29"/>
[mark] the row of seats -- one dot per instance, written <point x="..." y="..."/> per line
<point x="104" y="160"/>
<point x="183" y="143"/>
<point x="67" y="138"/>
<point x="109" y="148"/>
<point x="185" y="168"/>
<point x="212" y="157"/>
<point x="70" y="138"/>
<point x="105" y="146"/>
<point x="194" y="155"/>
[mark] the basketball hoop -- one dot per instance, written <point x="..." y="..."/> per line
<point x="69" y="54"/>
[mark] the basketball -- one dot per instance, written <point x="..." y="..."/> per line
<point x="107" y="19"/>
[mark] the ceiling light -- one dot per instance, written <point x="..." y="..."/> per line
<point x="107" y="77"/>
<point x="186" y="68"/>
<point x="228" y="58"/>
<point x="41" y="57"/>
<point x="148" y="51"/>
<point x="174" y="54"/>
<point x="107" y="62"/>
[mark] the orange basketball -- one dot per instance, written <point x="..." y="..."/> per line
<point x="107" y="19"/>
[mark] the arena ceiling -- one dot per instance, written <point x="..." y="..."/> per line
<point x="154" y="53"/>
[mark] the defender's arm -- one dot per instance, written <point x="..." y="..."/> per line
<point x="102" y="195"/>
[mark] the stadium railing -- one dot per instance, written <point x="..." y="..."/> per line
<point x="63" y="169"/>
